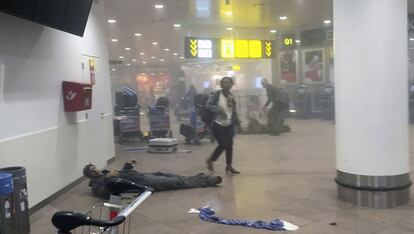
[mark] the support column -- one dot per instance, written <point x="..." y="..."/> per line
<point x="371" y="97"/>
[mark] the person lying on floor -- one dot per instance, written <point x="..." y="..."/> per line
<point x="158" y="181"/>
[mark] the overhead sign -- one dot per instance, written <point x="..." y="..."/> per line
<point x="268" y="48"/>
<point x="198" y="48"/>
<point x="313" y="36"/>
<point x="235" y="67"/>
<point x="288" y="40"/>
<point x="205" y="49"/>
<point x="228" y="48"/>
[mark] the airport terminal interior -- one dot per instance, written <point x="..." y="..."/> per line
<point x="117" y="112"/>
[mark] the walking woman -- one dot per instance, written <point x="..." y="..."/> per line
<point x="223" y="105"/>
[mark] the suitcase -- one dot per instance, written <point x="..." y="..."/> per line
<point x="187" y="131"/>
<point x="162" y="145"/>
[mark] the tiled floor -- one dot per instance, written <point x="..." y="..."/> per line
<point x="289" y="177"/>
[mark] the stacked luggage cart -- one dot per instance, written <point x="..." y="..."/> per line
<point x="159" y="121"/>
<point x="127" y="119"/>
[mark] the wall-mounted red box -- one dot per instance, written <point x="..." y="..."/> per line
<point x="76" y="96"/>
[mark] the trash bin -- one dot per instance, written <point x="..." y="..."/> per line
<point x="20" y="199"/>
<point x="6" y="196"/>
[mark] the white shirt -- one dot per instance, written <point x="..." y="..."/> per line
<point x="222" y="103"/>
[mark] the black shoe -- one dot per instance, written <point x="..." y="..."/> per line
<point x="230" y="169"/>
<point x="218" y="180"/>
<point x="210" y="165"/>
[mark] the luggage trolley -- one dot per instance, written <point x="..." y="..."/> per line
<point x="195" y="129"/>
<point x="159" y="121"/>
<point x="109" y="218"/>
<point x="126" y="127"/>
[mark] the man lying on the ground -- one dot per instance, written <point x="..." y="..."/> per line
<point x="158" y="181"/>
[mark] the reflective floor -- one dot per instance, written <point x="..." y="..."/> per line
<point x="289" y="177"/>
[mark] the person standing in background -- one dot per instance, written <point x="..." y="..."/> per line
<point x="189" y="96"/>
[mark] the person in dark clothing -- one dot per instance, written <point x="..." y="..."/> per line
<point x="158" y="181"/>
<point x="280" y="103"/>
<point x="273" y="117"/>
<point x="189" y="96"/>
<point x="163" y="101"/>
<point x="223" y="105"/>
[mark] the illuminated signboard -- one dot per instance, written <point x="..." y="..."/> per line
<point x="242" y="48"/>
<point x="255" y="49"/>
<point x="199" y="48"/>
<point x="288" y="41"/>
<point x="205" y="49"/>
<point x="228" y="48"/>
<point x="235" y="67"/>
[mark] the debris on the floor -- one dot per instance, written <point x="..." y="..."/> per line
<point x="207" y="214"/>
<point x="333" y="224"/>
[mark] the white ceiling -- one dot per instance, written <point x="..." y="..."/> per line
<point x="206" y="18"/>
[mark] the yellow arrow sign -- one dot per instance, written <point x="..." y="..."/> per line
<point x="268" y="49"/>
<point x="193" y="47"/>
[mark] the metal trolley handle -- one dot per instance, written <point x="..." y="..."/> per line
<point x="65" y="221"/>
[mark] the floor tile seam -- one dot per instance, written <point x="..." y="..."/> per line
<point x="392" y="222"/>
<point x="333" y="206"/>
<point x="274" y="208"/>
<point x="175" y="228"/>
<point x="290" y="214"/>
<point x="353" y="230"/>
<point x="328" y="205"/>
<point x="345" y="228"/>
<point x="321" y="217"/>
<point x="184" y="231"/>
<point x="317" y="220"/>
<point x="163" y="222"/>
<point x="336" y="227"/>
<point x="286" y="173"/>
<point x="167" y="223"/>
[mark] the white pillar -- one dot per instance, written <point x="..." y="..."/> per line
<point x="2" y="77"/>
<point x="371" y="96"/>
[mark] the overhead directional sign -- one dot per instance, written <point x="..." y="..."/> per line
<point x="288" y="40"/>
<point x="199" y="48"/>
<point x="205" y="49"/>
<point x="269" y="49"/>
<point x="228" y="48"/>
<point x="194" y="47"/>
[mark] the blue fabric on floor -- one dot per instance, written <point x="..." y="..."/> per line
<point x="207" y="214"/>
